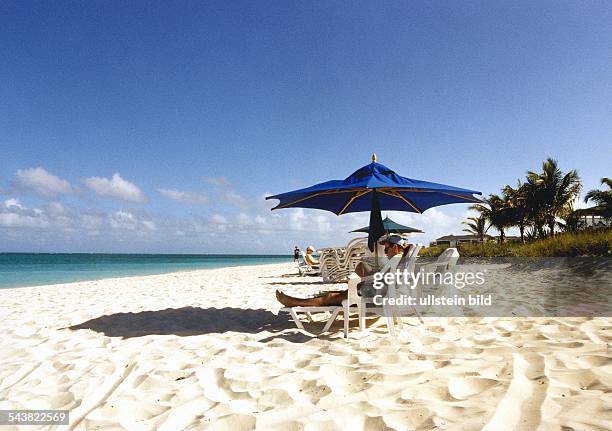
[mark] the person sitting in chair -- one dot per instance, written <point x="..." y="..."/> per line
<point x="394" y="245"/>
<point x="309" y="258"/>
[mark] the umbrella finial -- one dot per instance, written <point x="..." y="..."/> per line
<point x="373" y="157"/>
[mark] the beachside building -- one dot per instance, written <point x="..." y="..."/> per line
<point x="457" y="240"/>
<point x="591" y="218"/>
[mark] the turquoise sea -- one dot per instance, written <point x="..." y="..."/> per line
<point x="32" y="269"/>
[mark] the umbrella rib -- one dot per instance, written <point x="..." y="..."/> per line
<point x="411" y="189"/>
<point x="396" y="194"/>
<point x="469" y="198"/>
<point x="326" y="192"/>
<point x="389" y="191"/>
<point x="351" y="199"/>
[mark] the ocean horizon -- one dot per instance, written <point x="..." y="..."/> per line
<point x="36" y="269"/>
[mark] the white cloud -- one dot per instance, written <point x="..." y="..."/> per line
<point x="116" y="187"/>
<point x="15" y="215"/>
<point x="218" y="231"/>
<point x="218" y="219"/>
<point x="185" y="197"/>
<point x="234" y="199"/>
<point x="129" y="221"/>
<point x="12" y="202"/>
<point x="218" y="222"/>
<point x="244" y="220"/>
<point x="55" y="208"/>
<point x="17" y="220"/>
<point x="217" y="181"/>
<point x="92" y="222"/>
<point x="149" y="224"/>
<point x="42" y="182"/>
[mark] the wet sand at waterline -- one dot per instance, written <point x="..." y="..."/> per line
<point x="207" y="349"/>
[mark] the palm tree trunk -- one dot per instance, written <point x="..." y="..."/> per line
<point x="551" y="226"/>
<point x="522" y="230"/>
<point x="540" y="230"/>
<point x="502" y="236"/>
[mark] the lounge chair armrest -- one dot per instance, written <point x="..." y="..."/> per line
<point x="353" y="279"/>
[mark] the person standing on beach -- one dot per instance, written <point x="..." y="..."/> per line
<point x="296" y="253"/>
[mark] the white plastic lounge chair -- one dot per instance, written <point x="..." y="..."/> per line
<point x="305" y="268"/>
<point x="407" y="265"/>
<point x="358" y="304"/>
<point x="445" y="262"/>
<point x="353" y="304"/>
<point x="332" y="309"/>
<point x="338" y="263"/>
<point x="366" y="305"/>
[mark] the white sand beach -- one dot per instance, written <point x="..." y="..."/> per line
<point x="206" y="350"/>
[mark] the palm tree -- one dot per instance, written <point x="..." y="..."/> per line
<point x="518" y="211"/>
<point x="570" y="223"/>
<point x="553" y="191"/>
<point x="602" y="198"/>
<point x="534" y="207"/>
<point x="494" y="210"/>
<point x="477" y="226"/>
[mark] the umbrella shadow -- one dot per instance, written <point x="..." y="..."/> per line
<point x="189" y="321"/>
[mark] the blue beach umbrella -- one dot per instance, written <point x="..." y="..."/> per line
<point x="374" y="188"/>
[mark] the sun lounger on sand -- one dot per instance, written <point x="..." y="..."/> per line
<point x="338" y="263"/>
<point x="305" y="268"/>
<point x="359" y="304"/>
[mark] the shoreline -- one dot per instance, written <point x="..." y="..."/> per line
<point x="163" y="271"/>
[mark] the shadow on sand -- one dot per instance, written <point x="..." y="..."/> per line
<point x="188" y="321"/>
<point x="291" y="275"/>
<point x="299" y="283"/>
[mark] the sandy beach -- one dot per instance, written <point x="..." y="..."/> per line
<point x="207" y="349"/>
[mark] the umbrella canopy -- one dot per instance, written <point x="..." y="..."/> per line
<point x="394" y="193"/>
<point x="373" y="188"/>
<point x="391" y="227"/>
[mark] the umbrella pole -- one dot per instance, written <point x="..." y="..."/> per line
<point x="376" y="228"/>
<point x="376" y="256"/>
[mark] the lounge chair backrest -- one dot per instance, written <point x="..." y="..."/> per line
<point x="416" y="249"/>
<point x="301" y="259"/>
<point x="355" y="241"/>
<point x="399" y="263"/>
<point x="338" y="263"/>
<point x="447" y="259"/>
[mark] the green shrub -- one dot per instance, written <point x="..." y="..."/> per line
<point x="584" y="243"/>
<point x="434" y="251"/>
<point x="485" y="249"/>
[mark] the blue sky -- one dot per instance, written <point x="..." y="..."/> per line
<point x="201" y="108"/>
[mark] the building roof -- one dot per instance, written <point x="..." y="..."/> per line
<point x="592" y="211"/>
<point x="461" y="237"/>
